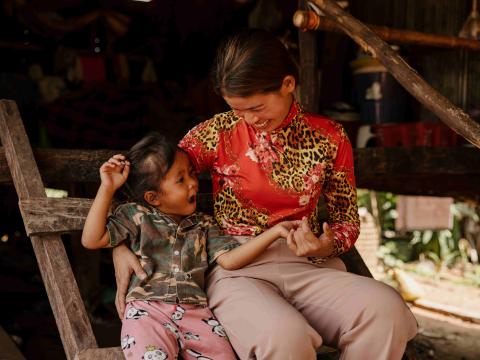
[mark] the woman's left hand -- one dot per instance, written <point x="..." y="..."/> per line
<point x="303" y="242"/>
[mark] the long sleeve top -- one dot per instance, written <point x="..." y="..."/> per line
<point x="261" y="178"/>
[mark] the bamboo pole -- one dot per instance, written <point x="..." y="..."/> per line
<point x="450" y="114"/>
<point x="309" y="20"/>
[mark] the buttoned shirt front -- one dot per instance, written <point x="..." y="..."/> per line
<point x="174" y="256"/>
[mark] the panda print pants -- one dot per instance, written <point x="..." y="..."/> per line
<point x="153" y="330"/>
<point x="284" y="307"/>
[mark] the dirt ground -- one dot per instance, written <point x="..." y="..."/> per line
<point x="442" y="336"/>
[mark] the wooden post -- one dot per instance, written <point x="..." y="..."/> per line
<point x="308" y="20"/>
<point x="67" y="305"/>
<point x="309" y="87"/>
<point x="451" y="115"/>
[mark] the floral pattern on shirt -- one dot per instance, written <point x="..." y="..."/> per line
<point x="279" y="175"/>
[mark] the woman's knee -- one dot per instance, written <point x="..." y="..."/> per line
<point x="289" y="338"/>
<point x="385" y="305"/>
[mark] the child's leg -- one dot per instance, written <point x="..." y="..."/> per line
<point x="204" y="337"/>
<point x="144" y="332"/>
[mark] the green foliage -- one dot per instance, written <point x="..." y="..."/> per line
<point x="440" y="246"/>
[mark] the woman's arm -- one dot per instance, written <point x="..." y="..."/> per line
<point x="113" y="174"/>
<point x="246" y="253"/>
<point x="126" y="263"/>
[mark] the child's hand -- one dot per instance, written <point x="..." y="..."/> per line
<point x="303" y="241"/>
<point x="114" y="172"/>
<point x="283" y="228"/>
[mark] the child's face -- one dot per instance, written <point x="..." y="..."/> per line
<point x="178" y="189"/>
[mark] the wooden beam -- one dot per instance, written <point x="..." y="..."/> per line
<point x="62" y="290"/>
<point x="395" y="161"/>
<point x="309" y="84"/>
<point x="308" y="20"/>
<point x="47" y="215"/>
<point x="453" y="171"/>
<point x="64" y="164"/>
<point x="8" y="349"/>
<point x="451" y="115"/>
<point x="56" y="216"/>
<point x="113" y="353"/>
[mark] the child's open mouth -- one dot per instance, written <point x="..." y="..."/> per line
<point x="192" y="199"/>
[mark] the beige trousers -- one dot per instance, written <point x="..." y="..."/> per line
<point x="282" y="307"/>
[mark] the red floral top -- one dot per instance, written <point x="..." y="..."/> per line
<point x="261" y="178"/>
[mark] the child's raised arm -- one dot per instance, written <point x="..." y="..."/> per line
<point x="249" y="251"/>
<point x="113" y="175"/>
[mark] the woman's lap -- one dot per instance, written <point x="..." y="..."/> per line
<point x="288" y="293"/>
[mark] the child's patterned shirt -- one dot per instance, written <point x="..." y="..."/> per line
<point x="174" y="256"/>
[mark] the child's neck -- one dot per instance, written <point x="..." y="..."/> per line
<point x="177" y="218"/>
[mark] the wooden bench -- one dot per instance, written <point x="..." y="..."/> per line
<point x="45" y="219"/>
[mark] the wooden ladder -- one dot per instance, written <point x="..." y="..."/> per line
<point x="44" y="220"/>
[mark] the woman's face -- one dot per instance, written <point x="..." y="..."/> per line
<point x="264" y="111"/>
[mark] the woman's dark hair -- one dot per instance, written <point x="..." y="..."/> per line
<point x="252" y="61"/>
<point x="150" y="159"/>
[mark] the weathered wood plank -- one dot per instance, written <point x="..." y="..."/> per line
<point x="8" y="349"/>
<point x="72" y="320"/>
<point x="47" y="215"/>
<point x="398" y="161"/>
<point x="114" y="353"/>
<point x="309" y="84"/>
<point x="308" y="20"/>
<point x="50" y="215"/>
<point x="63" y="164"/>
<point x="451" y="115"/>
<point x="420" y="171"/>
<point x="451" y="171"/>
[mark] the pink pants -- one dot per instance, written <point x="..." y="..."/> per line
<point x="155" y="330"/>
<point x="282" y="307"/>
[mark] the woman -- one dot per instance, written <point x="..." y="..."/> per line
<point x="270" y="162"/>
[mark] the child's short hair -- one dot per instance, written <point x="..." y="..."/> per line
<point x="150" y="159"/>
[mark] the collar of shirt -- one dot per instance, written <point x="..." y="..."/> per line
<point x="184" y="224"/>
<point x="295" y="109"/>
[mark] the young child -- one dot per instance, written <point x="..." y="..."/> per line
<point x="167" y="313"/>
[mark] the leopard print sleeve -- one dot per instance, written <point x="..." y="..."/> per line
<point x="202" y="141"/>
<point x="200" y="144"/>
<point x="341" y="198"/>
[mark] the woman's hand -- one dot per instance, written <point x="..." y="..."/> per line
<point x="125" y="263"/>
<point x="303" y="242"/>
<point x="114" y="172"/>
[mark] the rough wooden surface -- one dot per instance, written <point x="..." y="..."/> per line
<point x="451" y="115"/>
<point x="63" y="164"/>
<point x="309" y="84"/>
<point x="308" y="20"/>
<point x="114" y="353"/>
<point x="451" y="171"/>
<point x="48" y="215"/>
<point x="8" y="349"/>
<point x="72" y="320"/>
